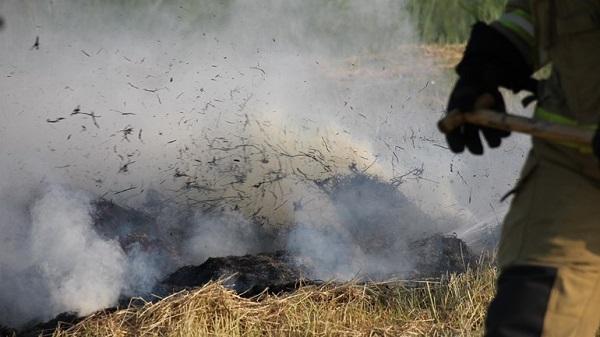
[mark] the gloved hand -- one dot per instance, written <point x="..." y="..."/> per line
<point x="490" y="61"/>
<point x="464" y="97"/>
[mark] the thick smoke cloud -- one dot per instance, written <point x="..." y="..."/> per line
<point x="81" y="269"/>
<point x="368" y="236"/>
<point x="52" y="259"/>
<point x="232" y="110"/>
<point x="229" y="233"/>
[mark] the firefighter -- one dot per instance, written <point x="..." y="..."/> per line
<point x="549" y="251"/>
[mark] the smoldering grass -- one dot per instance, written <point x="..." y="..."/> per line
<point x="454" y="305"/>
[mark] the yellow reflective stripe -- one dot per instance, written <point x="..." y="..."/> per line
<point x="545" y="115"/>
<point x="519" y="22"/>
<point x="524" y="19"/>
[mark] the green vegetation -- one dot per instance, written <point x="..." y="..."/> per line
<point x="449" y="21"/>
<point x="340" y="25"/>
<point x="437" y="21"/>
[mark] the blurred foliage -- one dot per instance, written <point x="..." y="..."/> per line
<point x="449" y="21"/>
<point x="341" y="24"/>
<point x="190" y="12"/>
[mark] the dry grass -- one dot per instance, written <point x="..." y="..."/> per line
<point x="444" y="55"/>
<point x="404" y="61"/>
<point x="454" y="307"/>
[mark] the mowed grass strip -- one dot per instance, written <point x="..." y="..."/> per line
<point x="454" y="306"/>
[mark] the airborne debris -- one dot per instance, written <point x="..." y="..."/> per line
<point x="125" y="190"/>
<point x="36" y="44"/>
<point x="125" y="167"/>
<point x="77" y="111"/>
<point x="56" y="120"/>
<point x="260" y="69"/>
<point x="123" y="113"/>
<point x="126" y="131"/>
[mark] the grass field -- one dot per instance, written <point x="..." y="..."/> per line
<point x="437" y="21"/>
<point x="449" y="21"/>
<point x="451" y="307"/>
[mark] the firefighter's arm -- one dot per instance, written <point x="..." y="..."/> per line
<point x="516" y="24"/>
<point x="495" y="57"/>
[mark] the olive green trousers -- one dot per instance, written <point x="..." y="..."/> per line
<point x="549" y="251"/>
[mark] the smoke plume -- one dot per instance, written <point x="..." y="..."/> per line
<point x="53" y="261"/>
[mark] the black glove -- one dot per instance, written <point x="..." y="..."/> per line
<point x="490" y="61"/>
<point x="463" y="98"/>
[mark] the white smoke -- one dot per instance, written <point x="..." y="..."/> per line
<point x="53" y="261"/>
<point x="230" y="233"/>
<point x="366" y="233"/>
<point x="235" y="102"/>
<point x="144" y="270"/>
<point x="81" y="269"/>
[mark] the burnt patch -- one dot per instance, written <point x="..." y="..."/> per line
<point x="63" y="320"/>
<point x="435" y="256"/>
<point x="438" y="255"/>
<point x="248" y="274"/>
<point x="7" y="332"/>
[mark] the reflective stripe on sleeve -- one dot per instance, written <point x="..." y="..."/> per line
<point x="545" y="115"/>
<point x="519" y="22"/>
